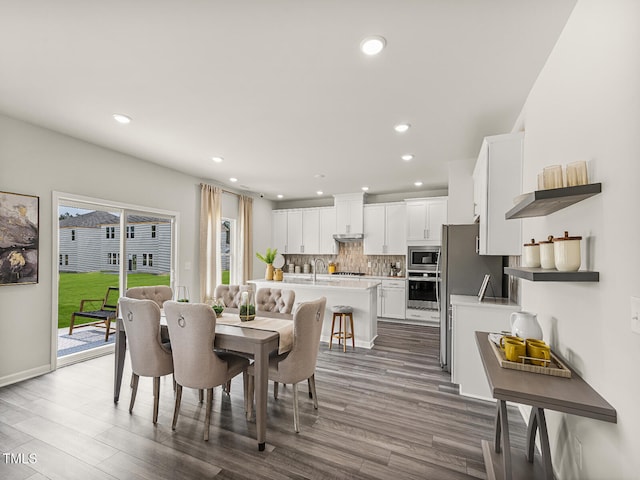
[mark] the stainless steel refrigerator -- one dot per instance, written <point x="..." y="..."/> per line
<point x="462" y="271"/>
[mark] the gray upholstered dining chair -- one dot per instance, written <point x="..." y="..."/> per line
<point x="192" y="328"/>
<point x="230" y="295"/>
<point x="150" y="357"/>
<point x="157" y="293"/>
<point x="274" y="300"/>
<point x="299" y="363"/>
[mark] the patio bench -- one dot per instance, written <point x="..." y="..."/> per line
<point x="103" y="316"/>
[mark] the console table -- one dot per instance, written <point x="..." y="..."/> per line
<point x="569" y="395"/>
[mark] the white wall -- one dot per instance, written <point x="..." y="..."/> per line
<point x="585" y="105"/>
<point x="36" y="161"/>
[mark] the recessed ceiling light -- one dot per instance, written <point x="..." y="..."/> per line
<point x="364" y="189"/>
<point x="401" y="127"/>
<point x="280" y="195"/>
<point x="217" y="159"/>
<point x="407" y="157"/>
<point x="372" y="45"/>
<point x="319" y="192"/>
<point x="120" y="118"/>
<point x="233" y="179"/>
<point x="319" y="175"/>
<point x="417" y="184"/>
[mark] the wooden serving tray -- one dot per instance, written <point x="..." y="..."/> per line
<point x="554" y="368"/>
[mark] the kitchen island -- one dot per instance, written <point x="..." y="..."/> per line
<point x="362" y="295"/>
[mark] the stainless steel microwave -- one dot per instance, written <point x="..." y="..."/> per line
<point x="421" y="258"/>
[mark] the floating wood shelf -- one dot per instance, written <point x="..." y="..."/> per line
<point x="544" y="202"/>
<point x="540" y="275"/>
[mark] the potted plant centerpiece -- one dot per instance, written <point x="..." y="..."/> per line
<point x="268" y="258"/>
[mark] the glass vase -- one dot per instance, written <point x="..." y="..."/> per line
<point x="247" y="306"/>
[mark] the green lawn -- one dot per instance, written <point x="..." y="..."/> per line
<point x="74" y="287"/>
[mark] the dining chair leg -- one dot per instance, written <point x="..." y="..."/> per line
<point x="312" y="390"/>
<point x="311" y="394"/>
<point x="201" y="395"/>
<point x="176" y="409"/>
<point x="207" y="417"/>
<point x="156" y="398"/>
<point x="275" y="390"/>
<point x="134" y="390"/>
<point x="296" y="420"/>
<point x="131" y="382"/>
<point x="173" y="377"/>
<point x="227" y="387"/>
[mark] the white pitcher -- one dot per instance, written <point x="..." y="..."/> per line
<point x="525" y="325"/>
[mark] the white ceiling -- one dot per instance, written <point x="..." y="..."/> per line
<point x="279" y="88"/>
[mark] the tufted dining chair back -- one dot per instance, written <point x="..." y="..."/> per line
<point x="157" y="293"/>
<point x="275" y="300"/>
<point x="150" y="357"/>
<point x="230" y="294"/>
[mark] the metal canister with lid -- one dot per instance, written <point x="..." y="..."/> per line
<point x="566" y="252"/>
<point x="531" y="254"/>
<point x="547" y="260"/>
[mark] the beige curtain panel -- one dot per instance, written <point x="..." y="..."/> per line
<point x="210" y="217"/>
<point x="246" y="237"/>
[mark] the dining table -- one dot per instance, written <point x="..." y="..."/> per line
<point x="233" y="336"/>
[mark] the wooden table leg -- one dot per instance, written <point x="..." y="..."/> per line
<point x="121" y="350"/>
<point x="506" y="442"/>
<point x="544" y="443"/>
<point x="531" y="435"/>
<point x="261" y="370"/>
<point x="497" y="429"/>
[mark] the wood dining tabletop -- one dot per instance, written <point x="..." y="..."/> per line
<point x="235" y="338"/>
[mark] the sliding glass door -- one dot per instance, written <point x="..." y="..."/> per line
<point x="103" y="249"/>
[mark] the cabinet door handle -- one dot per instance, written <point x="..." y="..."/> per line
<point x="477" y="244"/>
<point x="424" y="233"/>
<point x="427" y="233"/>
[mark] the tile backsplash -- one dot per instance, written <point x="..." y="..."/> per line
<point x="350" y="258"/>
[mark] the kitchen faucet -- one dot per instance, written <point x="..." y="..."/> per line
<point x="315" y="267"/>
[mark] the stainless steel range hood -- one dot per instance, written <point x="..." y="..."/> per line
<point x="348" y="237"/>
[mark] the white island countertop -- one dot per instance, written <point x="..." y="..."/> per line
<point x="320" y="283"/>
<point x="360" y="294"/>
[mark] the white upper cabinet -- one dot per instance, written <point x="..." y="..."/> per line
<point x="425" y="217"/>
<point x="279" y="230"/>
<point x="304" y="230"/>
<point x="384" y="229"/>
<point x="310" y="231"/>
<point x="327" y="222"/>
<point x="294" y="232"/>
<point x="349" y="213"/>
<point x="497" y="180"/>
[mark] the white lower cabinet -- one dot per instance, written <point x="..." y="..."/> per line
<point x="469" y="316"/>
<point x="392" y="299"/>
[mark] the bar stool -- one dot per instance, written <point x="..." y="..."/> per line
<point x="342" y="312"/>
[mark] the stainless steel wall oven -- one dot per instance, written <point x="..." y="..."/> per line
<point x="423" y="290"/>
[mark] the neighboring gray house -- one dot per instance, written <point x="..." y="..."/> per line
<point x="90" y="242"/>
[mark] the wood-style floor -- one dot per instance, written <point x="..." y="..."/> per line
<point x="385" y="413"/>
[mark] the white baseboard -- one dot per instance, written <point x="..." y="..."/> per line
<point x="24" y="375"/>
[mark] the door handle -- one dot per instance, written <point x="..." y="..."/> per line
<point x="477" y="244"/>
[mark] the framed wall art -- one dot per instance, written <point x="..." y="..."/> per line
<point x="19" y="239"/>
